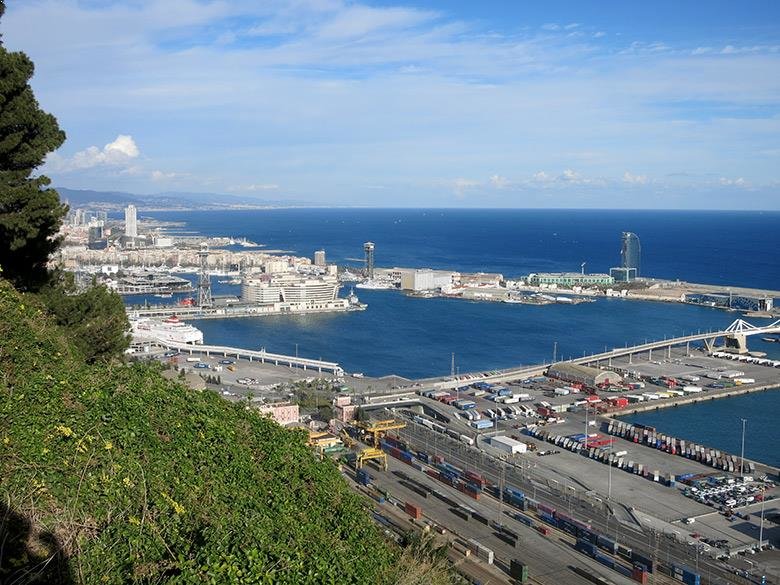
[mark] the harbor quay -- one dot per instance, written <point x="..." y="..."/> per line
<point x="557" y="419"/>
<point x="565" y="288"/>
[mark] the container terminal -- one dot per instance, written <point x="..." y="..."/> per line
<point x="529" y="475"/>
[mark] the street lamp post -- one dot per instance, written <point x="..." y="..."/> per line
<point x="742" y="456"/>
<point x="761" y="524"/>
<point x="609" y="461"/>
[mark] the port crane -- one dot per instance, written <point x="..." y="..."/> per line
<point x="377" y="430"/>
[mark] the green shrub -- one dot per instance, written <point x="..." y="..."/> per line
<point x="112" y="474"/>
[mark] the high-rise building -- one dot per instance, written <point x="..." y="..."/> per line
<point x="95" y="230"/>
<point x="319" y="258"/>
<point x="631" y="252"/>
<point x="368" y="248"/>
<point x="131" y="222"/>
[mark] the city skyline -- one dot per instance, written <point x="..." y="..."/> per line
<point x="419" y="104"/>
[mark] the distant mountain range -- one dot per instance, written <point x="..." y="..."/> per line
<point x="167" y="200"/>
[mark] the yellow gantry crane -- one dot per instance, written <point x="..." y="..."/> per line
<point x="376" y="429"/>
<point x="346" y="439"/>
<point x="320" y="441"/>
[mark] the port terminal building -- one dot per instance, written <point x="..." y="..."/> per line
<point x="288" y="288"/>
<point x="425" y="279"/>
<point x="569" y="279"/>
<point x="579" y="374"/>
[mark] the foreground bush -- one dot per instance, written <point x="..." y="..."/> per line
<point x="112" y="474"/>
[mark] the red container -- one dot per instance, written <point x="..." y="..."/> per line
<point x="543" y="530"/>
<point x="639" y="575"/>
<point x="413" y="511"/>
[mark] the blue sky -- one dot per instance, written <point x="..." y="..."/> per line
<point x="628" y="104"/>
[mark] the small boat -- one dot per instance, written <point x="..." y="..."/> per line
<point x="164" y="295"/>
<point x="771" y="339"/>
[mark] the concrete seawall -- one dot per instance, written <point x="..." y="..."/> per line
<point x="703" y="397"/>
<point x="672" y="403"/>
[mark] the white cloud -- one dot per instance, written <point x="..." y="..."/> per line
<point x="119" y="153"/>
<point x="570" y="176"/>
<point x="551" y="26"/>
<point x="255" y="187"/>
<point x="701" y="50"/>
<point x="163" y="176"/>
<point x="499" y="182"/>
<point x="359" y="21"/>
<point x="634" y="179"/>
<point x="738" y="182"/>
<point x="461" y="185"/>
<point x="600" y="34"/>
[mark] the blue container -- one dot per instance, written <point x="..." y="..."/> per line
<point x="514" y="492"/>
<point x="549" y="518"/>
<point x="607" y="544"/>
<point x="586" y="547"/>
<point x="637" y="559"/>
<point x="604" y="560"/>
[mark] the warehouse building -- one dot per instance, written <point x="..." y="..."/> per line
<point x="425" y="279"/>
<point x="508" y="445"/>
<point x="577" y="374"/>
<point x="569" y="279"/>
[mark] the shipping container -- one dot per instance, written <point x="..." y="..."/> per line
<point x="639" y="575"/>
<point x="586" y="547"/>
<point x="413" y="511"/>
<point x="482" y="552"/>
<point x="518" y="571"/>
<point x="643" y="561"/>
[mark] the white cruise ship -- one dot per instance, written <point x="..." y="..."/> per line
<point x="170" y="329"/>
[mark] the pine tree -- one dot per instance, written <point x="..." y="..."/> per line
<point x="30" y="212"/>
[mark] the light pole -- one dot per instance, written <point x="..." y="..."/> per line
<point x="742" y="457"/>
<point x="609" y="460"/>
<point x="761" y="525"/>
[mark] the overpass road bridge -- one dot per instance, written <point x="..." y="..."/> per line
<point x="261" y="356"/>
<point x="734" y="339"/>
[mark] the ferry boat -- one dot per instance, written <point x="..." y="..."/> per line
<point x="171" y="329"/>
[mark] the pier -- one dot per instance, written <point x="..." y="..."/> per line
<point x="734" y="337"/>
<point x="261" y="356"/>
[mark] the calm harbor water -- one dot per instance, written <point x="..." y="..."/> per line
<point x="718" y="423"/>
<point x="728" y="248"/>
<point x="416" y="337"/>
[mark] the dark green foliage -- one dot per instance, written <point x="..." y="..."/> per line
<point x="94" y="320"/>
<point x="30" y="212"/>
<point x="122" y="476"/>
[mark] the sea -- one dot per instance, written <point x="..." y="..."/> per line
<point x="416" y="338"/>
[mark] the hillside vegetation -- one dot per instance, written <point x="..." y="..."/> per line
<point x="112" y="474"/>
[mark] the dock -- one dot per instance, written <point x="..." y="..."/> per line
<point x="262" y="356"/>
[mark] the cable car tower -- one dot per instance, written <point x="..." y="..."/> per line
<point x="204" y="280"/>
